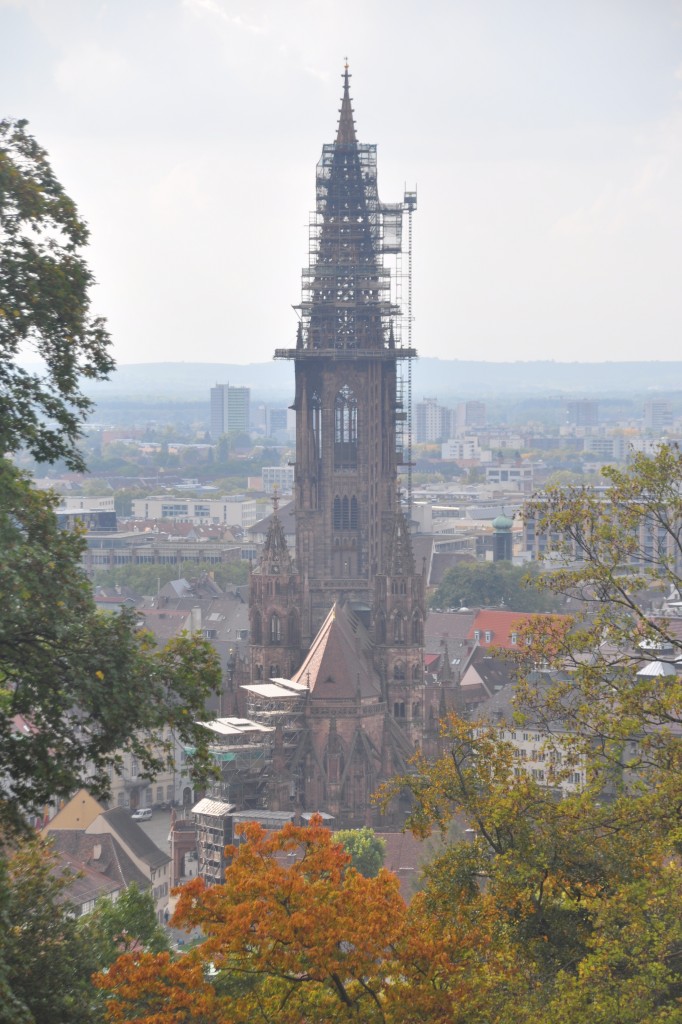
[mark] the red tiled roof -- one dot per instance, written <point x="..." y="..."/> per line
<point x="500" y="625"/>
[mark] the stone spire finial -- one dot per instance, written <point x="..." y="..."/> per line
<point x="346" y="133"/>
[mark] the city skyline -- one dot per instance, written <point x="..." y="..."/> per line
<point x="544" y="143"/>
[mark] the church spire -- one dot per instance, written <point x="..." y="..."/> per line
<point x="346" y="133"/>
<point x="400" y="560"/>
<point x="275" y="557"/>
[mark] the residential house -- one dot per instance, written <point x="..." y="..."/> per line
<point x="152" y="862"/>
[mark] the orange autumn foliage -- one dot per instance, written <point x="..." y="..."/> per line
<point x="294" y="934"/>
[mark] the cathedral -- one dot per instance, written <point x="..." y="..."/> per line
<point x="341" y="618"/>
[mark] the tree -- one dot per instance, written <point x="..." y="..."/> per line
<point x="128" y="924"/>
<point x="491" y="584"/>
<point x="46" y="962"/>
<point x="365" y="848"/>
<point x="581" y="894"/>
<point x="294" y="934"/>
<point x="578" y="895"/>
<point x="145" y="579"/>
<point x="44" y="306"/>
<point x="77" y="689"/>
<point x="618" y="553"/>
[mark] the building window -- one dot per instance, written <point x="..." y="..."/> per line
<point x="477" y="634"/>
<point x="275" y="629"/>
<point x="488" y="636"/>
<point x="514" y="637"/>
<point x="345" y="513"/>
<point x="293" y="628"/>
<point x="316" y="406"/>
<point x="345" y="430"/>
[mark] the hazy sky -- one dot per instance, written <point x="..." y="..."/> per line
<point x="545" y="138"/>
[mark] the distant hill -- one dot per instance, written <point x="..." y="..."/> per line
<point x="444" y="379"/>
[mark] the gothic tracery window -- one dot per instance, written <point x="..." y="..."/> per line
<point x="316" y="406"/>
<point x="345" y="429"/>
<point x="345" y="514"/>
<point x="275" y="629"/>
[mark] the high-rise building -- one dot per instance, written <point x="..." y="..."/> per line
<point x="658" y="415"/>
<point x="229" y="410"/>
<point x="343" y="614"/>
<point x="584" y="412"/>
<point x="432" y="422"/>
<point x="469" y="415"/>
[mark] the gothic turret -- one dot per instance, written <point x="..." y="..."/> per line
<point x="274" y="607"/>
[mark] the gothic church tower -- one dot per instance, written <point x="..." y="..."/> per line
<point x="345" y="616"/>
<point x="346" y="401"/>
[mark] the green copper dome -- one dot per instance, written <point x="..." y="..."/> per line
<point x="502" y="522"/>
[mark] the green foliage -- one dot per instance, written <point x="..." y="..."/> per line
<point x="46" y="962"/>
<point x="490" y="585"/>
<point x="127" y="925"/>
<point x="77" y="689"/>
<point x="88" y="685"/>
<point x="44" y="306"/>
<point x="617" y="550"/>
<point x="144" y="579"/>
<point x="367" y="850"/>
<point x="582" y="894"/>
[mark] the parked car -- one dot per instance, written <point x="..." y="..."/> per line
<point x="142" y="814"/>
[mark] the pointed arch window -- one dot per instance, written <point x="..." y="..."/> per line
<point x="417" y="629"/>
<point x="345" y="429"/>
<point x="256" y="635"/>
<point x="345" y="514"/>
<point x="275" y="629"/>
<point x="398" y="629"/>
<point x="316" y="407"/>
